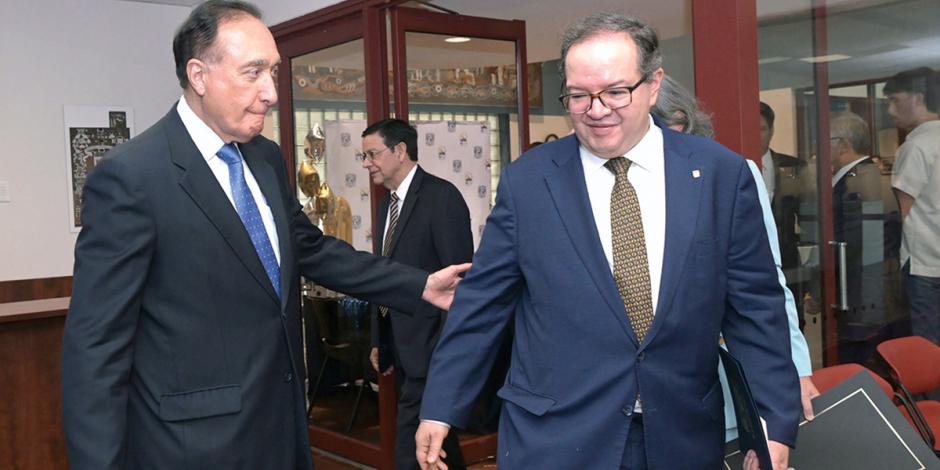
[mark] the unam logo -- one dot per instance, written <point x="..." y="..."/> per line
<point x="357" y="222"/>
<point x="345" y="139"/>
<point x="429" y="139"/>
<point x="481" y="191"/>
<point x="350" y="180"/>
<point x="458" y="165"/>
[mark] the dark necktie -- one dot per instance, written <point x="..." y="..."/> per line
<point x="631" y="266"/>
<point x="387" y="242"/>
<point x="250" y="215"/>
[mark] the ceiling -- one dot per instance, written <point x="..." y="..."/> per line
<point x="880" y="37"/>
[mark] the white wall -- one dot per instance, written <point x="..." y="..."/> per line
<point x="67" y="52"/>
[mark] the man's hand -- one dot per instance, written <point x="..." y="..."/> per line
<point x="808" y="391"/>
<point x="428" y="441"/>
<point x="779" y="456"/>
<point x="374" y="358"/>
<point x="439" y="290"/>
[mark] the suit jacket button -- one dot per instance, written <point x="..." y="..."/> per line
<point x="289" y="377"/>
<point x="627" y="410"/>
<point x="639" y="357"/>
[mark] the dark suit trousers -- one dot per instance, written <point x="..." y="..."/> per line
<point x="410" y="390"/>
<point x="634" y="453"/>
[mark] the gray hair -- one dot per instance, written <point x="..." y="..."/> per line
<point x="647" y="43"/>
<point x="851" y="128"/>
<point x="676" y="106"/>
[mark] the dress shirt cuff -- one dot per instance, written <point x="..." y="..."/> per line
<point x="436" y="422"/>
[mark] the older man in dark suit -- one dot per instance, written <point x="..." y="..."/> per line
<point x="182" y="346"/>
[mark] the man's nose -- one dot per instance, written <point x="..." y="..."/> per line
<point x="269" y="89"/>
<point x="598" y="109"/>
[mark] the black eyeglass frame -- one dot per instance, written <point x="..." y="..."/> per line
<point x="630" y="89"/>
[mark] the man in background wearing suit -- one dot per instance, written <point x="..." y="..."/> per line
<point x="782" y="175"/>
<point x="182" y="345"/>
<point x="620" y="253"/>
<point x="858" y="194"/>
<point x="423" y="222"/>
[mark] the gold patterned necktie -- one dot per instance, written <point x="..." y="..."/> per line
<point x="631" y="266"/>
<point x="387" y="242"/>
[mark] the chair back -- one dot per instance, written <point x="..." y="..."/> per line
<point x="828" y="377"/>
<point x="914" y="362"/>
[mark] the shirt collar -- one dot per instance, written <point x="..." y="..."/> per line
<point x="925" y="127"/>
<point x="402" y="190"/>
<point x="647" y="153"/>
<point x="206" y="140"/>
<point x="844" y="170"/>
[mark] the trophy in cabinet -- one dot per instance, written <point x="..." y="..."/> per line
<point x="328" y="211"/>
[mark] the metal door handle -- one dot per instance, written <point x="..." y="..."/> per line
<point x="843" y="297"/>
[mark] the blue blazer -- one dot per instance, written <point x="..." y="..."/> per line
<point x="576" y="364"/>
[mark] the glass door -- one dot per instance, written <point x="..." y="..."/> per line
<point x="464" y="83"/>
<point x="823" y="69"/>
<point x="322" y="112"/>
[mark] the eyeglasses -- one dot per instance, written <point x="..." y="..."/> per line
<point x="611" y="98"/>
<point x="371" y="154"/>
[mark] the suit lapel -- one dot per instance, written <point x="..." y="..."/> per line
<point x="682" y="202"/>
<point x="565" y="182"/>
<point x="267" y="180"/>
<point x="198" y="181"/>
<point x="405" y="211"/>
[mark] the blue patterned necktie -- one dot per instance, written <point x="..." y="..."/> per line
<point x="250" y="215"/>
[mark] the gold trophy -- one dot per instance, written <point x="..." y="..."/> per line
<point x="323" y="207"/>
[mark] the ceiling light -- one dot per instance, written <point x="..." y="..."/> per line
<point x="457" y="40"/>
<point x="826" y="58"/>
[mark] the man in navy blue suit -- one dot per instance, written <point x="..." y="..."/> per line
<point x="620" y="253"/>
<point x="182" y="346"/>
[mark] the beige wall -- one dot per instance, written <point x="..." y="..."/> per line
<point x="539" y="127"/>
<point x="784" y="106"/>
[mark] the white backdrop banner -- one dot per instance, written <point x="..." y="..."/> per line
<point x="455" y="151"/>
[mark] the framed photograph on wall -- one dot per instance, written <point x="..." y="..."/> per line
<point x="90" y="132"/>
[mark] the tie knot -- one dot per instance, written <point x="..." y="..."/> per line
<point x="229" y="154"/>
<point x="618" y="165"/>
<point x="394" y="197"/>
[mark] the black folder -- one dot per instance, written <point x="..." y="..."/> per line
<point x="750" y="431"/>
<point x="856" y="427"/>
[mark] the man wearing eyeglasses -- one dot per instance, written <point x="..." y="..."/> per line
<point x="620" y="253"/>
<point x="423" y="222"/>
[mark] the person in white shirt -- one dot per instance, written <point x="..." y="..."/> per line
<point x="914" y="104"/>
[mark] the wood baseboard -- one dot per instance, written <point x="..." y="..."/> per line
<point x="35" y="289"/>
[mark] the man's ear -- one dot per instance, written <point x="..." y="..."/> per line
<point x="401" y="147"/>
<point x="196" y="72"/>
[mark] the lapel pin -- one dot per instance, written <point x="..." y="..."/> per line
<point x="696" y="173"/>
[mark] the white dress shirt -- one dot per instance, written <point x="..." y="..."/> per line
<point x="209" y="143"/>
<point x="647" y="174"/>
<point x="768" y="172"/>
<point x="401" y="191"/>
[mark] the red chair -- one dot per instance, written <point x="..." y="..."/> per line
<point x="828" y="377"/>
<point x="915" y="369"/>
